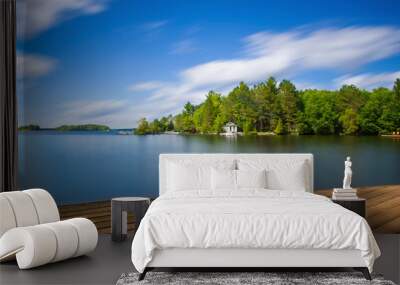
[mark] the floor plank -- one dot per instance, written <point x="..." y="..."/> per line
<point x="383" y="211"/>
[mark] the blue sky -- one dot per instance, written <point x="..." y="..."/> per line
<point x="112" y="62"/>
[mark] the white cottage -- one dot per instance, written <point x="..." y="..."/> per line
<point x="230" y="129"/>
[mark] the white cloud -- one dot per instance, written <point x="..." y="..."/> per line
<point x="369" y="80"/>
<point x="145" y="86"/>
<point x="272" y="54"/>
<point x="183" y="47"/>
<point x="151" y="30"/>
<point x="89" y="111"/>
<point x="278" y="54"/>
<point x="36" y="16"/>
<point x="32" y="65"/>
<point x="150" y="26"/>
<point x="263" y="54"/>
<point x="114" y="113"/>
<point x="302" y="85"/>
<point x="328" y="48"/>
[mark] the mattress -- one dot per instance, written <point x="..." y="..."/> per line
<point x="250" y="219"/>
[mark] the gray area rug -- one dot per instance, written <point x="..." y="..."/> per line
<point x="228" y="278"/>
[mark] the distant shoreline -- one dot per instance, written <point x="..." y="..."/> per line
<point x="130" y="132"/>
<point x="57" y="130"/>
<point x="67" y="128"/>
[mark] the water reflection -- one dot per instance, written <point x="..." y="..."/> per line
<point x="78" y="166"/>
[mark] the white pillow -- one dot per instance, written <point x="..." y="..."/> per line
<point x="187" y="174"/>
<point x="291" y="175"/>
<point x="251" y="178"/>
<point x="223" y="179"/>
<point x="186" y="177"/>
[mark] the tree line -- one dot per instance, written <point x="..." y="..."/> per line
<point x="282" y="109"/>
<point x="65" y="128"/>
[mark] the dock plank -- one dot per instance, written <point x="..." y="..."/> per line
<point x="98" y="212"/>
<point x="383" y="211"/>
<point x="377" y="208"/>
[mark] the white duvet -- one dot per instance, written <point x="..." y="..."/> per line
<point x="250" y="219"/>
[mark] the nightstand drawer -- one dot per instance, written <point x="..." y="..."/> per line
<point x="356" y="205"/>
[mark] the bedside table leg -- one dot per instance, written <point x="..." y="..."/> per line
<point x="116" y="222"/>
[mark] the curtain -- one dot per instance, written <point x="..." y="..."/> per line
<point x="8" y="100"/>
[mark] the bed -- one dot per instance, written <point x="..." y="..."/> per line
<point x="245" y="211"/>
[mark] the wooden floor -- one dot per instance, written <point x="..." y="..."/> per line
<point x="383" y="207"/>
<point x="383" y="210"/>
<point x="98" y="212"/>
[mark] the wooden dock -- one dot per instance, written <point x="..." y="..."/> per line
<point x="98" y="212"/>
<point x="383" y="207"/>
<point x="383" y="210"/>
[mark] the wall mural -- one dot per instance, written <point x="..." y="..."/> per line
<point x="105" y="86"/>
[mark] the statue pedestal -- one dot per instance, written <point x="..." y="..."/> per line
<point x="344" y="194"/>
<point x="343" y="190"/>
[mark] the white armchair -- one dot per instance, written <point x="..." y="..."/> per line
<point x="31" y="230"/>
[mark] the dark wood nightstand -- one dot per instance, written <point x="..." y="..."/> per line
<point x="356" y="205"/>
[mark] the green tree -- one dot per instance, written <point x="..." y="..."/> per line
<point x="178" y="124"/>
<point x="165" y="124"/>
<point x="184" y="121"/>
<point x="303" y="125"/>
<point x="204" y="117"/>
<point x="265" y="97"/>
<point x="248" y="127"/>
<point x="394" y="108"/>
<point x="188" y="109"/>
<point x="31" y="127"/>
<point x="142" y="127"/>
<point x="280" y="128"/>
<point x="389" y="120"/>
<point x="289" y="102"/>
<point x="240" y="106"/>
<point x="349" y="96"/>
<point x="349" y="122"/>
<point x="155" y="127"/>
<point x="219" y="122"/>
<point x="283" y="109"/>
<point x="170" y="126"/>
<point x="396" y="88"/>
<point x="319" y="112"/>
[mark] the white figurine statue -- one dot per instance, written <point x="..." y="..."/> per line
<point x="348" y="173"/>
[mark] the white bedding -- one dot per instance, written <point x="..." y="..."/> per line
<point x="250" y="219"/>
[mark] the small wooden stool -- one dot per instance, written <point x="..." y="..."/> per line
<point x="119" y="214"/>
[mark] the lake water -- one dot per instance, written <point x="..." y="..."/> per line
<point x="92" y="166"/>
